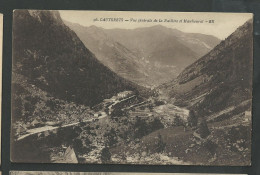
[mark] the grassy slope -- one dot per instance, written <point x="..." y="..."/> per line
<point x="216" y="86"/>
<point x="187" y="148"/>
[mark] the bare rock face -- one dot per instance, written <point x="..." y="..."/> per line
<point x="70" y="156"/>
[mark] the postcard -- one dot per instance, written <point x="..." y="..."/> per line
<point x="114" y="87"/>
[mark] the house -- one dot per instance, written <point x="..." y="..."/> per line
<point x="125" y="94"/>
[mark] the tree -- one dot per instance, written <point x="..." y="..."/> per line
<point x="177" y="121"/>
<point x="140" y="128"/>
<point x="111" y="137"/>
<point x="78" y="145"/>
<point x="211" y="146"/>
<point x="105" y="155"/>
<point x="203" y="129"/>
<point x="192" y="119"/>
<point x="68" y="135"/>
<point x="159" y="102"/>
<point x="156" y="124"/>
<point x="160" y="144"/>
<point x="117" y="112"/>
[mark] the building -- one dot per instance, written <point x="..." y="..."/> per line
<point x="125" y="94"/>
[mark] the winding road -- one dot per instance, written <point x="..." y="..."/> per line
<point x="50" y="128"/>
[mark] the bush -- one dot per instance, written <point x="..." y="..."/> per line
<point x="178" y="121"/>
<point x="141" y="128"/>
<point x="211" y="147"/>
<point x="53" y="105"/>
<point x="117" y="113"/>
<point x="111" y="137"/>
<point x="67" y="135"/>
<point x="238" y="138"/>
<point x="78" y="146"/>
<point x="105" y="155"/>
<point x="203" y="129"/>
<point x="158" y="103"/>
<point x="156" y="124"/>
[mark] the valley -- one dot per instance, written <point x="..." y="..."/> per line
<point x="125" y="124"/>
<point x="116" y="96"/>
<point x="138" y="57"/>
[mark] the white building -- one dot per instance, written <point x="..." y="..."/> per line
<point x="124" y="94"/>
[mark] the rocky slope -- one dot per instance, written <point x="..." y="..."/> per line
<point x="112" y="54"/>
<point x="54" y="59"/>
<point x="220" y="79"/>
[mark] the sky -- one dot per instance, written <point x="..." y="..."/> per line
<point x="224" y="23"/>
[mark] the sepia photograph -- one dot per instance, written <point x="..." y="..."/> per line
<point x="102" y="173"/>
<point x="122" y="87"/>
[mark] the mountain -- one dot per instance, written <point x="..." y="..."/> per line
<point x="112" y="54"/>
<point x="165" y="45"/>
<point x="143" y="59"/>
<point x="219" y="81"/>
<point x="51" y="57"/>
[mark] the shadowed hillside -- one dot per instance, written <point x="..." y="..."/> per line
<point x="113" y="54"/>
<point x="220" y="79"/>
<point x="75" y="97"/>
<point x="53" y="58"/>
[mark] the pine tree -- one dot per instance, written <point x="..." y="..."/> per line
<point x="203" y="129"/>
<point x="111" y="137"/>
<point x="160" y="144"/>
<point x="192" y="119"/>
<point x="105" y="155"/>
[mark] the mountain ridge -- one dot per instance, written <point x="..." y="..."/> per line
<point x="148" y="60"/>
<point x="111" y="53"/>
<point x="214" y="81"/>
<point x="67" y="70"/>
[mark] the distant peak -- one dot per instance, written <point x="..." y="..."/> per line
<point x="159" y="26"/>
<point x="93" y="27"/>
